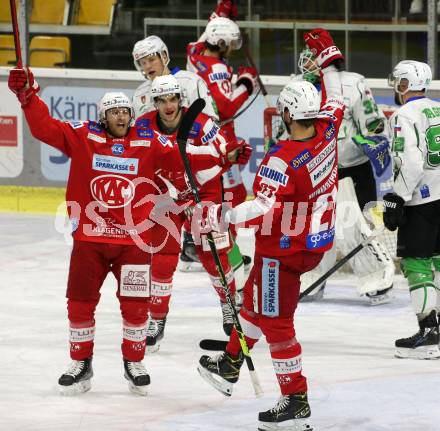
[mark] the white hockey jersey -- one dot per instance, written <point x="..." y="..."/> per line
<point x="193" y="87"/>
<point x="415" y="128"/>
<point x="360" y="111"/>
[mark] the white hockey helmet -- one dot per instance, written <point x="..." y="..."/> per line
<point x="223" y="29"/>
<point x="307" y="62"/>
<point x="151" y="45"/>
<point x="113" y="100"/>
<point x="417" y="74"/>
<point x="164" y="85"/>
<point x="301" y="98"/>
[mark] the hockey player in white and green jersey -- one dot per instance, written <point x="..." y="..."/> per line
<point x="362" y="147"/>
<point x="414" y="206"/>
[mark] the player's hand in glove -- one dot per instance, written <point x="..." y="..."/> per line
<point x="377" y="148"/>
<point x="22" y="83"/>
<point x="226" y="9"/>
<point x="242" y="154"/>
<point x="323" y="48"/>
<point x="393" y="216"/>
<point x="248" y="77"/>
<point x="213" y="218"/>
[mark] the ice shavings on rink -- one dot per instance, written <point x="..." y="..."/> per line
<point x="355" y="382"/>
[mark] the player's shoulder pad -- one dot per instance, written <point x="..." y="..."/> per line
<point x="350" y="78"/>
<point x="273" y="171"/>
<point x="143" y="89"/>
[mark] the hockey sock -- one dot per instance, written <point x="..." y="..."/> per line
<point x="422" y="289"/>
<point x="160" y="298"/>
<point x="436" y="263"/>
<point x="249" y="324"/>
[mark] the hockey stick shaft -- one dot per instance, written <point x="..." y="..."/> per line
<point x="250" y="59"/>
<point x="16" y="33"/>
<point x="255" y="383"/>
<point x="344" y="260"/>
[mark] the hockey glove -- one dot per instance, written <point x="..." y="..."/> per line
<point x="323" y="48"/>
<point x="212" y="218"/>
<point x="244" y="153"/>
<point x="248" y="77"/>
<point x="22" y="83"/>
<point x="225" y="9"/>
<point x="377" y="148"/>
<point x="393" y="216"/>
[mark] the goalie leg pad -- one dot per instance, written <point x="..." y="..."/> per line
<point x="420" y="277"/>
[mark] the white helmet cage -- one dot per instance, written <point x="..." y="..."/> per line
<point x="307" y="62"/>
<point x="301" y="99"/>
<point x="418" y="75"/>
<point x="165" y="85"/>
<point x="149" y="46"/>
<point x="223" y="31"/>
<point x="113" y="100"/>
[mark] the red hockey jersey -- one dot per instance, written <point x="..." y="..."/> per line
<point x="111" y="188"/>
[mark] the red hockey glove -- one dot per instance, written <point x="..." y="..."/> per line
<point x="22" y="83"/>
<point x="322" y="46"/>
<point x="244" y="153"/>
<point x="226" y="9"/>
<point x="248" y="77"/>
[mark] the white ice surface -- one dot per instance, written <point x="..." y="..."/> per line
<point x="355" y="382"/>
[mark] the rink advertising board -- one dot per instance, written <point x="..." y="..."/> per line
<point x="11" y="132"/>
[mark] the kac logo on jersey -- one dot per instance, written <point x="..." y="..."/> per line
<point x="117" y="149"/>
<point x="76" y="124"/>
<point x="115" y="164"/>
<point x="273" y="149"/>
<point x="93" y="126"/>
<point x="165" y="141"/>
<point x="112" y="191"/>
<point x="320" y="239"/>
<point x="145" y="133"/>
<point x="142" y="122"/>
<point x="201" y="66"/>
<point x="300" y="159"/>
<point x="270" y="284"/>
<point x="272" y="174"/>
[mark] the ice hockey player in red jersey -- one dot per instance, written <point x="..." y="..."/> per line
<point x="110" y="194"/>
<point x="294" y="214"/>
<point x="208" y="58"/>
<point x="166" y="94"/>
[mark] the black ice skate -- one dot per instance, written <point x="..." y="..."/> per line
<point x="77" y="378"/>
<point x="291" y="413"/>
<point x="228" y="321"/>
<point x="189" y="261"/>
<point x="221" y="371"/>
<point x="137" y="376"/>
<point x="424" y="344"/>
<point x="155" y="334"/>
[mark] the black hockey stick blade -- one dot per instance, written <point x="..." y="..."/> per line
<point x="188" y="120"/>
<point x="213" y="345"/>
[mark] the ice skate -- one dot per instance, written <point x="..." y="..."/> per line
<point x="189" y="261"/>
<point x="221" y="371"/>
<point x="424" y="344"/>
<point x="228" y="321"/>
<point x="155" y="334"/>
<point x="291" y="413"/>
<point x="77" y="378"/>
<point x="380" y="296"/>
<point x="137" y="376"/>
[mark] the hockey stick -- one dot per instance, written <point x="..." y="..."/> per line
<point x="250" y="59"/>
<point x="182" y="136"/>
<point x="344" y="260"/>
<point x="219" y="345"/>
<point x="16" y="34"/>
